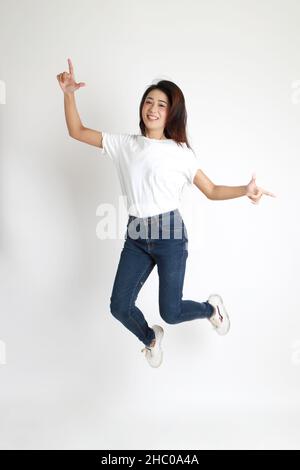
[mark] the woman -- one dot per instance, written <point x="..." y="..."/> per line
<point x="153" y="168"/>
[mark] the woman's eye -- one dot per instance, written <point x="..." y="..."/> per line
<point x="159" y="105"/>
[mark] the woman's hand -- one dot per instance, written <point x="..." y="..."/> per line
<point x="67" y="80"/>
<point x="255" y="192"/>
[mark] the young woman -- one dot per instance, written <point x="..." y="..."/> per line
<point x="153" y="167"/>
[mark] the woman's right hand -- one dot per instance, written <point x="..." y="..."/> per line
<point x="67" y="80"/>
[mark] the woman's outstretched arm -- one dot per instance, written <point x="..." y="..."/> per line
<point x="220" y="192"/>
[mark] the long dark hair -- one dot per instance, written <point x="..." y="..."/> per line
<point x="175" y="127"/>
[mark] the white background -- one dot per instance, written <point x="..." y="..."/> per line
<point x="73" y="377"/>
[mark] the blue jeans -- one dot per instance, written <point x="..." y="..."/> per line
<point x="157" y="240"/>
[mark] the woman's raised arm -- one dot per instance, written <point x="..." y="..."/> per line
<point x="75" y="127"/>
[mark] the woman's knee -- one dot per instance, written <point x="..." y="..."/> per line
<point x="118" y="308"/>
<point x="169" y="315"/>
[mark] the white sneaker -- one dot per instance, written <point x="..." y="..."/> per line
<point x="154" y="353"/>
<point x="220" y="318"/>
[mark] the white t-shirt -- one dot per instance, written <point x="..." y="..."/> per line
<point x="152" y="172"/>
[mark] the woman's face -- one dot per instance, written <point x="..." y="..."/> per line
<point x="156" y="105"/>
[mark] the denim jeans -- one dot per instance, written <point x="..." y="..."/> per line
<point x="157" y="240"/>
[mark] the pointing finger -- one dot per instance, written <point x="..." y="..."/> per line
<point x="268" y="193"/>
<point x="71" y="69"/>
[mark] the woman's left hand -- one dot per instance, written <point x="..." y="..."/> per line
<point x="255" y="192"/>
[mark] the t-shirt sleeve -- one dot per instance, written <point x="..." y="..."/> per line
<point x="113" y="145"/>
<point x="192" y="165"/>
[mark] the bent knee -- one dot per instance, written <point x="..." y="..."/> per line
<point x="170" y="316"/>
<point x="118" y="309"/>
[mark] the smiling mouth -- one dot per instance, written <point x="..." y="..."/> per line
<point x="151" y="118"/>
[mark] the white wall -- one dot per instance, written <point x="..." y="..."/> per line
<point x="72" y="376"/>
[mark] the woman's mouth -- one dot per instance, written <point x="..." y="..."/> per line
<point x="151" y="118"/>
